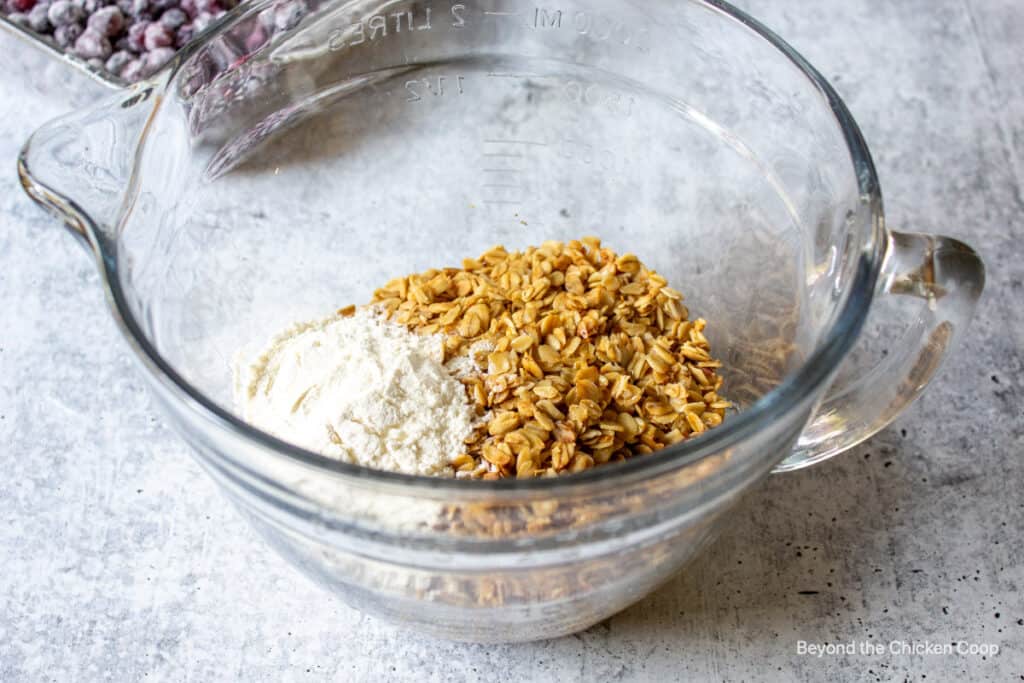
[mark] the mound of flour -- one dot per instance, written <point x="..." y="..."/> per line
<point x="361" y="389"/>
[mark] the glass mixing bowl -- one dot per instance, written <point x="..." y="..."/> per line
<point x="268" y="177"/>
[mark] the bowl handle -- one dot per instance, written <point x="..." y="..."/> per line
<point x="947" y="276"/>
<point x="78" y="166"/>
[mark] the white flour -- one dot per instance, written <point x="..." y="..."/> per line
<point x="360" y="389"/>
<point x="467" y="365"/>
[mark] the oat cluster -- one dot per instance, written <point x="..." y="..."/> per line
<point x="585" y="357"/>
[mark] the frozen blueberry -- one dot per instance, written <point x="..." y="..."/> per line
<point x="157" y="35"/>
<point x="132" y="71"/>
<point x="266" y="19"/>
<point x="95" y="63"/>
<point x="189" y="8"/>
<point x="107" y="21"/>
<point x="67" y="34"/>
<point x="18" y="19"/>
<point x="185" y="34"/>
<point x="156" y="59"/>
<point x="137" y="36"/>
<point x="138" y="7"/>
<point x="20" y="6"/>
<point x="118" y="61"/>
<point x="255" y="39"/>
<point x="87" y="6"/>
<point x="161" y="5"/>
<point x="210" y="6"/>
<point x="125" y="6"/>
<point x="92" y="44"/>
<point x="64" y="13"/>
<point x="202" y="20"/>
<point x="174" y="18"/>
<point x="37" y="19"/>
<point x="288" y="16"/>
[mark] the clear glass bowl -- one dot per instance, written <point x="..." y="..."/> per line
<point x="240" y="191"/>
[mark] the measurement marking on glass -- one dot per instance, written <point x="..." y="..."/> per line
<point x="515" y="142"/>
<point x="436" y="87"/>
<point x="490" y="13"/>
<point x="496" y="74"/>
<point x="506" y="155"/>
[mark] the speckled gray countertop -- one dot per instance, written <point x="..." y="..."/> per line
<point x="121" y="561"/>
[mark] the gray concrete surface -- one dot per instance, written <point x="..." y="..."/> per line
<point x="120" y="560"/>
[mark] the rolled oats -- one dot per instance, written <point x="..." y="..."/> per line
<point x="591" y="357"/>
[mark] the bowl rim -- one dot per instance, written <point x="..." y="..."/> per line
<point x="794" y="389"/>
